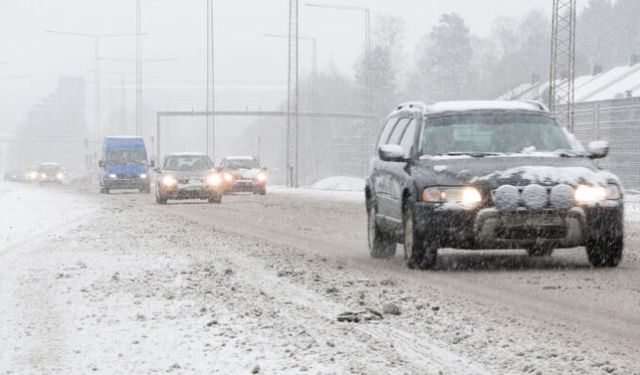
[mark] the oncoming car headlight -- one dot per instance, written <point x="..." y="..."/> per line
<point x="169" y="181"/>
<point x="261" y="177"/>
<point x="60" y="176"/>
<point x="469" y="196"/>
<point x="144" y="176"/>
<point x="228" y="177"/>
<point x="586" y="194"/>
<point x="214" y="180"/>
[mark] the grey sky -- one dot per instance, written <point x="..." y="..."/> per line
<point x="176" y="29"/>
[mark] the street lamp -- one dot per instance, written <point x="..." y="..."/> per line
<point x="367" y="40"/>
<point x="96" y="40"/>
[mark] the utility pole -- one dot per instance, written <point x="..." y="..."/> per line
<point x="563" y="60"/>
<point x="139" y="109"/>
<point x="211" y="102"/>
<point x="96" y="43"/>
<point x="293" y="96"/>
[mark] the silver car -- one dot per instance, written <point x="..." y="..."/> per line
<point x="188" y="176"/>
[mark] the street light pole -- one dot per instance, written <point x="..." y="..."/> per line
<point x="210" y="106"/>
<point x="139" y="67"/>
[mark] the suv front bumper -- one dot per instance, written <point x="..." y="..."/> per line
<point x="489" y="228"/>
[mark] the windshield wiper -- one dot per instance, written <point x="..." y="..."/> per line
<point x="474" y="154"/>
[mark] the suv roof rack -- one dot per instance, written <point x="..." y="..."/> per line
<point x="536" y="103"/>
<point x="412" y="105"/>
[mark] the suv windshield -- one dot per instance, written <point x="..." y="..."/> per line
<point x="241" y="163"/>
<point x="490" y="134"/>
<point x="127" y="157"/>
<point x="187" y="163"/>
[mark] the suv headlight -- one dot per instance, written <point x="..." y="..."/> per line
<point x="468" y="195"/>
<point x="169" y="181"/>
<point x="587" y="194"/>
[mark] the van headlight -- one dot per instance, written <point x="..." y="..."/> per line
<point x="144" y="176"/>
<point x="469" y="196"/>
<point x="169" y="181"/>
<point x="113" y="176"/>
<point x="588" y="194"/>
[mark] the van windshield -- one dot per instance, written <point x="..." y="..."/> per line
<point x="127" y="157"/>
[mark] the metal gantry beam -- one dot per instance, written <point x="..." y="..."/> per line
<point x="563" y="61"/>
<point x="293" y="96"/>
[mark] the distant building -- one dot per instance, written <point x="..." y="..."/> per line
<point x="54" y="129"/>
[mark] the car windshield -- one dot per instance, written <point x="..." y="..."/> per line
<point x="241" y="163"/>
<point x="488" y="134"/>
<point x="49" y="168"/>
<point x="128" y="157"/>
<point x="187" y="163"/>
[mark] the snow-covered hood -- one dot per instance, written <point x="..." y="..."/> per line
<point x="492" y="172"/>
<point x="246" y="173"/>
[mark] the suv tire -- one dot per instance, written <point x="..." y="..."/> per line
<point x="419" y="253"/>
<point x="605" y="248"/>
<point x="381" y="245"/>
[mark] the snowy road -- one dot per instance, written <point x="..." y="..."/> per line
<point x="118" y="285"/>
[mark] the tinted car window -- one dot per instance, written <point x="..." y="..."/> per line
<point x="386" y="132"/>
<point x="398" y="131"/>
<point x="408" y="138"/>
<point x="506" y="133"/>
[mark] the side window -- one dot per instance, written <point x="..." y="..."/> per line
<point x="408" y="138"/>
<point x="386" y="131"/>
<point x="398" y="131"/>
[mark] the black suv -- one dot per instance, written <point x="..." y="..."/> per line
<point x="489" y="175"/>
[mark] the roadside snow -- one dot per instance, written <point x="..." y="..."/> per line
<point x="632" y="207"/>
<point x="340" y="184"/>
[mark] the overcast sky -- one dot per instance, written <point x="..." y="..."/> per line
<point x="32" y="59"/>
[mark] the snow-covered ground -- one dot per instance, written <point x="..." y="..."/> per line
<point x="119" y="285"/>
<point x="632" y="206"/>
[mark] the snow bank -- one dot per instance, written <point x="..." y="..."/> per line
<point x="340" y="184"/>
<point x="632" y="206"/>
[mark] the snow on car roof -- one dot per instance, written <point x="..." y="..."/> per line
<point x="478" y="105"/>
<point x="239" y="157"/>
<point x="187" y="154"/>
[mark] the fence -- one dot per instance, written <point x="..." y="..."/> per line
<point x="618" y="122"/>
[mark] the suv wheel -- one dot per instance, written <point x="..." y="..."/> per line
<point x="381" y="245"/>
<point x="419" y="253"/>
<point x="605" y="250"/>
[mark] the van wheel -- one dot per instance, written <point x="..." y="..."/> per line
<point x="381" y="245"/>
<point x="419" y="253"/>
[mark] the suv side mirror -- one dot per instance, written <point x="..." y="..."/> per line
<point x="598" y="149"/>
<point x="391" y="153"/>
<point x="101" y="163"/>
